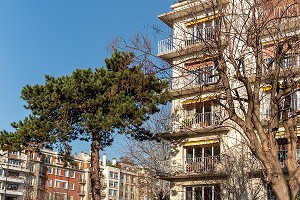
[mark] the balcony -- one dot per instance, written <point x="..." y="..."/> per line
<point x="190" y="82"/>
<point x="197" y="121"/>
<point x="282" y="154"/>
<point x="82" y="181"/>
<point x="18" y="192"/>
<point x="14" y="156"/>
<point x="189" y="166"/>
<point x="81" y="192"/>
<point x="12" y="179"/>
<point x="170" y="47"/>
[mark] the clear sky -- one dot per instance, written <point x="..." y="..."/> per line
<point x="55" y="37"/>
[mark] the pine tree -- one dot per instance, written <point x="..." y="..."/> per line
<point x="89" y="105"/>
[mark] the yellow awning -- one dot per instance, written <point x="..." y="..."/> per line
<point x="197" y="100"/>
<point x="281" y="134"/>
<point x="201" y="142"/>
<point x="188" y="24"/>
<point x="267" y="88"/>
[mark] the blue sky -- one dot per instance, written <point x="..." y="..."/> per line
<point x="55" y="37"/>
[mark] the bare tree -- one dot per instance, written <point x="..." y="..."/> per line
<point x="254" y="47"/>
<point x="147" y="154"/>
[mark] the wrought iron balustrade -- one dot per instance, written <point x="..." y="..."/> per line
<point x="188" y="166"/>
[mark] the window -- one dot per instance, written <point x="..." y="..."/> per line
<point x="66" y="173"/>
<point x="31" y="156"/>
<point x="202" y="159"/>
<point x="32" y="168"/>
<point x="115" y="184"/>
<point x="50" y="170"/>
<point x="72" y="186"/>
<point x="1" y="172"/>
<point x="111" y="174"/>
<point x="58" y="159"/>
<point x="14" y="162"/>
<point x="48" y="159"/>
<point x="11" y="186"/>
<point x="287" y="62"/>
<point x="116" y="175"/>
<point x="57" y="171"/>
<point x="65" y="185"/>
<point x="57" y="184"/>
<point x="110" y="192"/>
<point x="111" y="183"/>
<point x="201" y="32"/>
<point x="127" y="178"/>
<point x="266" y="106"/>
<point x="295" y="103"/>
<point x="201" y="114"/>
<point x="49" y="183"/>
<point x="72" y="174"/>
<point x="30" y="180"/>
<point x="206" y="192"/>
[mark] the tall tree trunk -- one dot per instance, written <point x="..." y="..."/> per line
<point x="281" y="189"/>
<point x="278" y="181"/>
<point x="95" y="167"/>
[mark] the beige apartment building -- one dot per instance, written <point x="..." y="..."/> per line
<point x="206" y="148"/>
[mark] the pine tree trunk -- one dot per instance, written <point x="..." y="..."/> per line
<point x="95" y="167"/>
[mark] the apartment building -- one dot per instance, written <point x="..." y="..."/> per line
<point x="124" y="181"/>
<point x="14" y="176"/>
<point x="44" y="175"/>
<point x="202" y="140"/>
<point x="53" y="179"/>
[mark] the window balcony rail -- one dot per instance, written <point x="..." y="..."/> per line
<point x="81" y="192"/>
<point x="165" y="45"/>
<point x="197" y="121"/>
<point x="267" y="114"/>
<point x="81" y="180"/>
<point x="178" y="83"/>
<point x="282" y="155"/>
<point x="189" y="166"/>
<point x="201" y="35"/>
<point x="202" y="164"/>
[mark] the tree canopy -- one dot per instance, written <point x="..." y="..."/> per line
<point x="88" y="105"/>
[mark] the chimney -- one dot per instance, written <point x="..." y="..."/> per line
<point x="104" y="160"/>
<point x="114" y="161"/>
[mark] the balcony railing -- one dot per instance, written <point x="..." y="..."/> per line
<point x="81" y="181"/>
<point x="165" y="45"/>
<point x="198" y="120"/>
<point x="81" y="192"/>
<point x="186" y="82"/>
<point x="282" y="154"/>
<point x="202" y="35"/>
<point x="188" y="166"/>
<point x="214" y="164"/>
